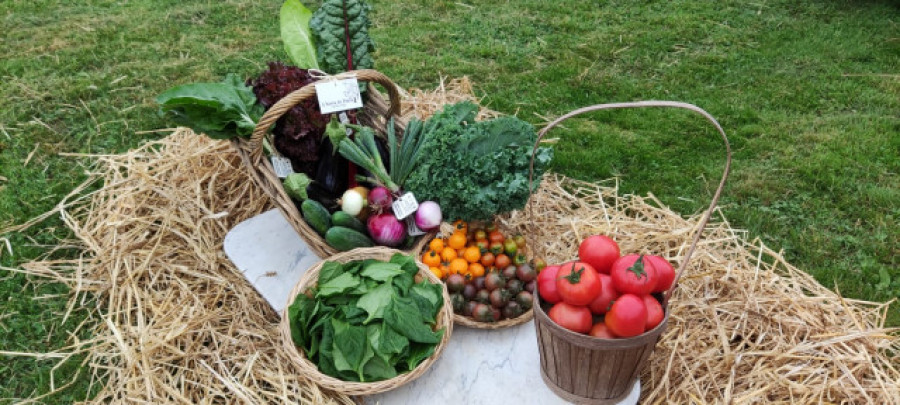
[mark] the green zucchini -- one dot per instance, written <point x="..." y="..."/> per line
<point x="344" y="239"/>
<point x="316" y="216"/>
<point x="341" y="218"/>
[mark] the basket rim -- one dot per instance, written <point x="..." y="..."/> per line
<point x="311" y="371"/>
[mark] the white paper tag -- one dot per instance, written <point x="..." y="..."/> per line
<point x="338" y="95"/>
<point x="282" y="166"/>
<point x="405" y="205"/>
<point x="412" y="228"/>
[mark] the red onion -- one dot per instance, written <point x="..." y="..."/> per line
<point x="380" y="199"/>
<point x="386" y="230"/>
<point x="428" y="216"/>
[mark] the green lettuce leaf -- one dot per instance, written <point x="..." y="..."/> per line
<point x="221" y="110"/>
<point x="296" y="35"/>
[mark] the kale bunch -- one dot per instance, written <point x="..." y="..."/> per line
<point x="298" y="133"/>
<point x="476" y="170"/>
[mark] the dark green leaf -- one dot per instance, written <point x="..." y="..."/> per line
<point x="376" y="301"/>
<point x="430" y="299"/>
<point x="418" y="352"/>
<point x="331" y="31"/>
<point x="338" y="285"/>
<point x="381" y="271"/>
<point x="329" y="271"/>
<point x="220" y="110"/>
<point x="406" y="320"/>
<point x="378" y="369"/>
<point x="351" y="347"/>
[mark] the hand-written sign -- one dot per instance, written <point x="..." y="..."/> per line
<point x="338" y="95"/>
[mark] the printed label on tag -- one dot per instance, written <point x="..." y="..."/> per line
<point x="411" y="227"/>
<point x="338" y="95"/>
<point x="282" y="166"/>
<point x="405" y="205"/>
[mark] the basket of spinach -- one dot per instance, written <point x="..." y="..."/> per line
<point x="366" y="321"/>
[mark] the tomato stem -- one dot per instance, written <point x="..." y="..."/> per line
<point x="638" y="268"/>
<point x="575" y="276"/>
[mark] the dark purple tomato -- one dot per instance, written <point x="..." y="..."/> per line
<point x="493" y="281"/>
<point x="512" y="310"/>
<point x="455" y="283"/>
<point x="526" y="273"/>
<point x="470" y="306"/>
<point x="496" y="314"/>
<point x="469" y="291"/>
<point x="478" y="282"/>
<point x="508" y="272"/>
<point x="483" y="313"/>
<point x="529" y="286"/>
<point x="458" y="301"/>
<point x="515" y="286"/>
<point x="483" y="296"/>
<point x="525" y="300"/>
<point x="499" y="297"/>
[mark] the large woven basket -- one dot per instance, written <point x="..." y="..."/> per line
<point x="311" y="371"/>
<point x="375" y="114"/>
<point x="586" y="370"/>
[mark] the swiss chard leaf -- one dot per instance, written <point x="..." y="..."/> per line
<point x="296" y="35"/>
<point x="220" y="110"/>
<point x="335" y="24"/>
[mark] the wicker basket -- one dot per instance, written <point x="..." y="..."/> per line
<point x="311" y="371"/>
<point x="583" y="369"/>
<point x="374" y="114"/>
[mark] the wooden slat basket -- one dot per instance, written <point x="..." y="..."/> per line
<point x="587" y="370"/>
<point x="374" y="114"/>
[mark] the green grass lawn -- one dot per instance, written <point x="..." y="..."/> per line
<point x="809" y="93"/>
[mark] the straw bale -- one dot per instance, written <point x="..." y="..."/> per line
<point x="745" y="325"/>
<point x="172" y="320"/>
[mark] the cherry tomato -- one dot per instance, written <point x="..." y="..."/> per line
<point x="633" y="276"/>
<point x="608" y="294"/>
<point x="627" y="317"/>
<point x="571" y="317"/>
<point x="578" y="283"/>
<point x="496" y="248"/>
<point x="600" y="330"/>
<point x="665" y="273"/>
<point x="520" y="241"/>
<point x="482" y="245"/>
<point x="496" y="236"/>
<point x="502" y="261"/>
<point x="510" y="247"/>
<point x="599" y="251"/>
<point x="539" y="264"/>
<point x="546" y="285"/>
<point x="655" y="311"/>
<point x="480" y="234"/>
<point x="487" y="259"/>
<point x="520" y="260"/>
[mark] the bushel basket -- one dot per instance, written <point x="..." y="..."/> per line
<point x="375" y="114"/>
<point x="584" y="369"/>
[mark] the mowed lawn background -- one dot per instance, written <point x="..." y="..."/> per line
<point x="809" y="93"/>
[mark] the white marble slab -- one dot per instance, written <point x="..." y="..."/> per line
<point x="270" y="254"/>
<point x="477" y="366"/>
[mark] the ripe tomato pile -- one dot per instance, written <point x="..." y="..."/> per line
<point x="605" y="294"/>
<point x="487" y="273"/>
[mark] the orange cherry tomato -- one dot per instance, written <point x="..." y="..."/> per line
<point x="476" y="270"/>
<point x="448" y="254"/>
<point x="436" y="244"/>
<point x="437" y="272"/>
<point x="459" y="266"/>
<point x="457" y="240"/>
<point x="460" y="226"/>
<point x="472" y="254"/>
<point x="431" y="258"/>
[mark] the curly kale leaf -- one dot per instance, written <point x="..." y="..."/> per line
<point x="332" y="24"/>
<point x="476" y="170"/>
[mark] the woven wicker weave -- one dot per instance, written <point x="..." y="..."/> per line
<point x="444" y="320"/>
<point x="374" y="114"/>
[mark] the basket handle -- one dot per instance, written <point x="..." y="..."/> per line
<point x="295" y="97"/>
<point x="642" y="104"/>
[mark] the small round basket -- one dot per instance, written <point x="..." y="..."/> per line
<point x="311" y="371"/>
<point x="375" y="113"/>
<point x="467" y="321"/>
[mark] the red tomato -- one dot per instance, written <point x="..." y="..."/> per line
<point x="665" y="273"/>
<point x="655" y="312"/>
<point x="632" y="276"/>
<point x="607" y="295"/>
<point x="546" y="285"/>
<point x="578" y="283"/>
<point x="599" y="251"/>
<point x="627" y="317"/>
<point x="600" y="330"/>
<point x="571" y="317"/>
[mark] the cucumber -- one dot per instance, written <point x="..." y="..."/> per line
<point x="316" y="216"/>
<point x="344" y="239"/>
<point x="341" y="218"/>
